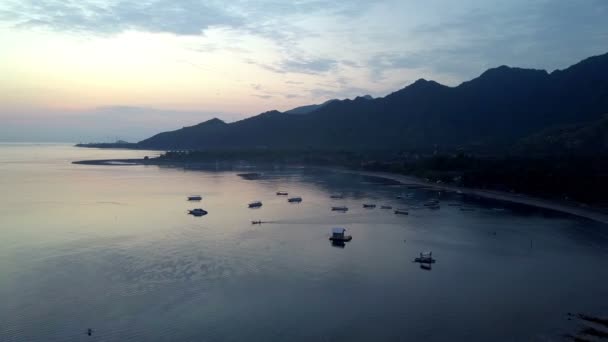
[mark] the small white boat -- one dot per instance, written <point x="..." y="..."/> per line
<point x="195" y="198"/>
<point x="370" y="206"/>
<point x="386" y="207"/>
<point x="282" y="193"/>
<point x="402" y="212"/>
<point x="337" y="196"/>
<point x="341" y="208"/>
<point x="255" y="204"/>
<point x="197" y="212"/>
<point x="294" y="200"/>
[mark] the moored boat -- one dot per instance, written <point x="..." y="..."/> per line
<point x="294" y="200"/>
<point x="337" y="234"/>
<point x="197" y="212"/>
<point x="255" y="204"/>
<point x="282" y="193"/>
<point x="340" y="208"/>
<point x="425" y="257"/>
<point x="256" y="222"/>
<point x="195" y="198"/>
<point x="367" y="205"/>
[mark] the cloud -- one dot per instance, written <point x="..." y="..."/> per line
<point x="308" y="66"/>
<point x="180" y="17"/>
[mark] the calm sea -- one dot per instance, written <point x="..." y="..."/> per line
<point x="112" y="248"/>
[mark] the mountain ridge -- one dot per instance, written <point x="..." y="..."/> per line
<point x="500" y="106"/>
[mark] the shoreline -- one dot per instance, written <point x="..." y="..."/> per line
<point x="568" y="208"/>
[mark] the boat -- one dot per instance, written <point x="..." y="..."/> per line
<point x="425" y="257"/>
<point x="402" y="212"/>
<point x="197" y="212"/>
<point x="341" y="208"/>
<point x="338" y="196"/>
<point x="369" y="205"/>
<point x="255" y="204"/>
<point x="338" y="244"/>
<point x="294" y="200"/>
<point x="337" y="234"/>
<point x="195" y="198"/>
<point x="282" y="193"/>
<point x="386" y="207"/>
<point x="256" y="222"/>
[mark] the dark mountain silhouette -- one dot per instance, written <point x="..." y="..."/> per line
<point x="499" y="107"/>
<point x="590" y="139"/>
<point x="308" y="108"/>
<point x="311" y="108"/>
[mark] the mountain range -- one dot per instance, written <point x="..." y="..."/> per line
<point x="500" y="107"/>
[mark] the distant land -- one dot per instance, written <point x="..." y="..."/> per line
<point x="510" y="129"/>
<point x="498" y="109"/>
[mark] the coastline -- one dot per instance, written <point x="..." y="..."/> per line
<point x="568" y="208"/>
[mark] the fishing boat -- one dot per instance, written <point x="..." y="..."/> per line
<point x="255" y="204"/>
<point x="369" y="206"/>
<point x="341" y="208"/>
<point x="282" y="193"/>
<point x="402" y="212"/>
<point x="386" y="207"/>
<point x="425" y="257"/>
<point x="337" y="234"/>
<point x="195" y="198"/>
<point x="294" y="200"/>
<point x="197" y="212"/>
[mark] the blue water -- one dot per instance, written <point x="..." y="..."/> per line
<point x="111" y="248"/>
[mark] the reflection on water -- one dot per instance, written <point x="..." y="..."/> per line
<point x="113" y="249"/>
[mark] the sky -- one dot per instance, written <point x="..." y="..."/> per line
<point x="101" y="70"/>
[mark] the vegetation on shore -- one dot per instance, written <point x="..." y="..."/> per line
<point x="574" y="178"/>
